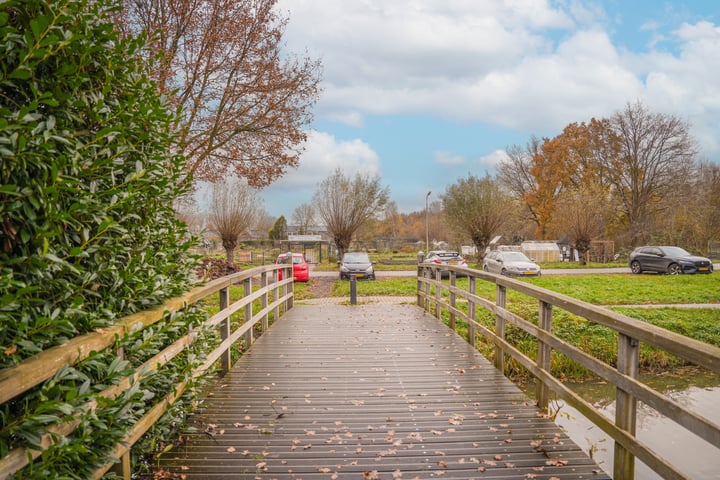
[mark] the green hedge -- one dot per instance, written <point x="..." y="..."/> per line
<point x="88" y="234"/>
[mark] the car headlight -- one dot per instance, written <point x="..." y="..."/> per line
<point x="343" y="268"/>
<point x="369" y="269"/>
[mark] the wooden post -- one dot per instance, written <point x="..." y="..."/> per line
<point x="247" y="290"/>
<point x="428" y="272"/>
<point x="472" y="284"/>
<point x="500" y="301"/>
<point x="628" y="361"/>
<point x="264" y="300"/>
<point x="420" y="273"/>
<point x="452" y="300"/>
<point x="438" y="295"/>
<point x="291" y="290"/>
<point x="544" y="355"/>
<point x="276" y="294"/>
<point x="123" y="468"/>
<point x="226" y="358"/>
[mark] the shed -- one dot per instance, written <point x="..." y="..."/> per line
<point x="542" y="250"/>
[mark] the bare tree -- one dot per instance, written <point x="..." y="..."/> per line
<point x="517" y="174"/>
<point x="264" y="223"/>
<point x="304" y="217"/>
<point x="655" y="156"/>
<point x="344" y="204"/>
<point x="477" y="207"/>
<point x="581" y="216"/>
<point x="234" y="207"/>
<point x="693" y="219"/>
<point x="390" y="216"/>
<point x="243" y="101"/>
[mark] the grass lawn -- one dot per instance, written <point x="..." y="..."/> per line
<point x="618" y="291"/>
<point x="628" y="289"/>
<point x="401" y="286"/>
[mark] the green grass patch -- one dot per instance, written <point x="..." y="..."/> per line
<point x="576" y="265"/>
<point x="628" y="289"/>
<point x="402" y="286"/>
<point x="301" y="291"/>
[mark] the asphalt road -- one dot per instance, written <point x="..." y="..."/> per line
<point x="412" y="273"/>
<point x="549" y="271"/>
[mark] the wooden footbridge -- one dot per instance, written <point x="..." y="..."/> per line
<point x="373" y="391"/>
<point x="370" y="391"/>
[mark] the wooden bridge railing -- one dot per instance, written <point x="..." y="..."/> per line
<point x="443" y="296"/>
<point x="275" y="296"/>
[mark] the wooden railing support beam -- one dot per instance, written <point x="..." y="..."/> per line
<point x="500" y="301"/>
<point x="224" y="326"/>
<point x="628" y="361"/>
<point x="544" y="355"/>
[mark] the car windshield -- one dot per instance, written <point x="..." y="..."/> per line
<point x="356" y="258"/>
<point x="297" y="259"/>
<point x="675" y="252"/>
<point x="515" y="257"/>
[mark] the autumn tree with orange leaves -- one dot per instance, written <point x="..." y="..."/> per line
<point x="636" y="164"/>
<point x="242" y="100"/>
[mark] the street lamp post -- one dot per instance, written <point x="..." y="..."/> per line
<point x="427" y="228"/>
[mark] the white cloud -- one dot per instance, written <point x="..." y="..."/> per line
<point x="528" y="65"/>
<point x="447" y="158"/>
<point x="490" y="161"/>
<point x="489" y="61"/>
<point x="323" y="154"/>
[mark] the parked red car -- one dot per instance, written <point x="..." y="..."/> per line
<point x="301" y="269"/>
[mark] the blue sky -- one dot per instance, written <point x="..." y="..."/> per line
<point x="424" y="92"/>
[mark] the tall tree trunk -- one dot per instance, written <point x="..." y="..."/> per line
<point x="229" y="245"/>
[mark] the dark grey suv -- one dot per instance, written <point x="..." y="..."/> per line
<point x="672" y="260"/>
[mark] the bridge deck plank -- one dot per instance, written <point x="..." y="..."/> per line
<point x="371" y="391"/>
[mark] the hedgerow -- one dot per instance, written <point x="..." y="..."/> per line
<point x="89" y="176"/>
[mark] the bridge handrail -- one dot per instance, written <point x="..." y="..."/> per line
<point x="275" y="294"/>
<point x="624" y="377"/>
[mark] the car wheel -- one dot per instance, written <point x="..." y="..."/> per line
<point x="485" y="268"/>
<point x="503" y="272"/>
<point x="674" y="269"/>
<point x="635" y="267"/>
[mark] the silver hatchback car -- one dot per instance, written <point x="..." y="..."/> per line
<point x="510" y="263"/>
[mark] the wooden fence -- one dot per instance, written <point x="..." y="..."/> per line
<point x="435" y="295"/>
<point x="275" y="296"/>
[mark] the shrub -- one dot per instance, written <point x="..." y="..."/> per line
<point x="88" y="234"/>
